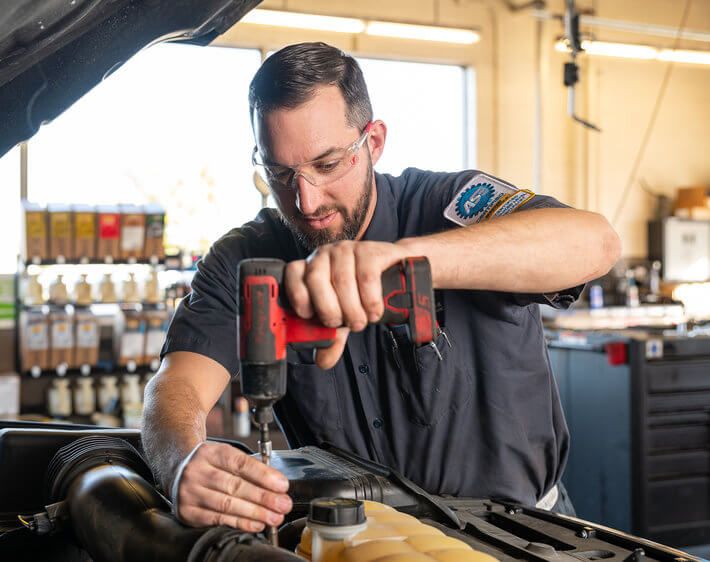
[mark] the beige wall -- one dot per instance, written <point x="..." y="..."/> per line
<point x="586" y="169"/>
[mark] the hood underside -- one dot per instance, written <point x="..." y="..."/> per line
<point x="54" y="51"/>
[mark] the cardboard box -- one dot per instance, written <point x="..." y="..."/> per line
<point x="87" y="338"/>
<point x="36" y="240"/>
<point x="108" y="245"/>
<point x="61" y="339"/>
<point x="156" y="322"/>
<point x="132" y="232"/>
<point x="689" y="197"/>
<point x="154" y="231"/>
<point x="34" y="328"/>
<point x="61" y="238"/>
<point x="84" y="232"/>
<point x="130" y="330"/>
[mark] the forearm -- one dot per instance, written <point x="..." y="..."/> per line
<point x="173" y="424"/>
<point x="535" y="251"/>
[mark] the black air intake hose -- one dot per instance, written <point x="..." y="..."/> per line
<point x="118" y="516"/>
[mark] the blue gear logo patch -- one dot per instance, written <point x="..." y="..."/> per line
<point x="474" y="199"/>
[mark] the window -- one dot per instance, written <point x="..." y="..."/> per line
<point x="171" y="126"/>
<point x="10" y="201"/>
<point x="425" y="108"/>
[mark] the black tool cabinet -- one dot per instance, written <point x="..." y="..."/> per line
<point x="640" y="454"/>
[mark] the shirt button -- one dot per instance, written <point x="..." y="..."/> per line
<point x="377" y="423"/>
<point x="364" y="368"/>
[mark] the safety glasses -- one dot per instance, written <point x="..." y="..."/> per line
<point x="321" y="171"/>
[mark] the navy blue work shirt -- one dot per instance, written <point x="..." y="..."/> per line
<point x="484" y="421"/>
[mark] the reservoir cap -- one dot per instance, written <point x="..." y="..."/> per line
<point x="336" y="512"/>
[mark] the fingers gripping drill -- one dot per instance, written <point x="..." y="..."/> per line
<point x="266" y="325"/>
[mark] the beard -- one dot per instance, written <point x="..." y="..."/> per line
<point x="352" y="222"/>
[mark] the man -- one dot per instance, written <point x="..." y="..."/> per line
<point x="481" y="420"/>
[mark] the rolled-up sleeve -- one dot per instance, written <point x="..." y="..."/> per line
<point x="439" y="190"/>
<point x="561" y="299"/>
<point x="205" y="322"/>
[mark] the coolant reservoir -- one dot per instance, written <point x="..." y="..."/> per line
<point x="346" y="530"/>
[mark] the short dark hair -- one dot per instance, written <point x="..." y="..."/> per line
<point x="289" y="77"/>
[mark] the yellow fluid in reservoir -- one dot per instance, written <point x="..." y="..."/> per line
<point x="391" y="536"/>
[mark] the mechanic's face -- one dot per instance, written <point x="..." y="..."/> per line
<point x="334" y="210"/>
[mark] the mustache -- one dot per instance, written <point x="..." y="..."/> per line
<point x="323" y="211"/>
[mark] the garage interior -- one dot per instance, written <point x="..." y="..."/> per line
<point x="602" y="104"/>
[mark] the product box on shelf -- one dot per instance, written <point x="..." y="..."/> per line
<point x="129" y="333"/>
<point x="34" y="338"/>
<point x="61" y="341"/>
<point x="154" y="230"/>
<point x="109" y="232"/>
<point x="36" y="242"/>
<point x="87" y="338"/>
<point x="132" y="232"/>
<point x="61" y="238"/>
<point x="84" y="231"/>
<point x="156" y="322"/>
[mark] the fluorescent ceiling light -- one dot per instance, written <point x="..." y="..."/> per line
<point x="691" y="57"/>
<point x="643" y="52"/>
<point x="353" y="25"/>
<point x="621" y="50"/>
<point x="304" y="21"/>
<point x="422" y="32"/>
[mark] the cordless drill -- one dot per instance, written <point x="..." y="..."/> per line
<point x="266" y="325"/>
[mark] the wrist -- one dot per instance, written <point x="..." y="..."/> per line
<point x="411" y="247"/>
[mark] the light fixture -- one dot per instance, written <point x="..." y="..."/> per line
<point x="642" y="52"/>
<point x="422" y="32"/>
<point x="304" y="21"/>
<point x="690" y="57"/>
<point x="338" y="24"/>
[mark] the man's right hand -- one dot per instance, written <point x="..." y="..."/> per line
<point x="221" y="485"/>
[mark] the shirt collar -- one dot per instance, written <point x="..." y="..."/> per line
<point x="384" y="225"/>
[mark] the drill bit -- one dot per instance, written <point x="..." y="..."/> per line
<point x="263" y="416"/>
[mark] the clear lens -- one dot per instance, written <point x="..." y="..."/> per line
<point x="317" y="172"/>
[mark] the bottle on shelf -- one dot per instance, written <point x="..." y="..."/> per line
<point x="632" y="289"/>
<point x="156" y="328"/>
<point x="82" y="291"/>
<point x="34" y="294"/>
<point x="108" y="394"/>
<point x="108" y="403"/>
<point x="61" y="341"/>
<point x="131" y="401"/>
<point x="129" y="331"/>
<point x="131" y="294"/>
<point x="34" y="338"/>
<point x="107" y="290"/>
<point x="87" y="340"/>
<point x="152" y="288"/>
<point x="58" y="293"/>
<point x="84" y="397"/>
<point x="59" y="399"/>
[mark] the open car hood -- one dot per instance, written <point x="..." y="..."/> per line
<point x="54" y="51"/>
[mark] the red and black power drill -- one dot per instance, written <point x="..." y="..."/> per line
<point x="266" y="325"/>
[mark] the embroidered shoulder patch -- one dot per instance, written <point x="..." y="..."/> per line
<point x="484" y="197"/>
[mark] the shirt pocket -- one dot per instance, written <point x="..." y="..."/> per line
<point x="433" y="388"/>
<point x="314" y="394"/>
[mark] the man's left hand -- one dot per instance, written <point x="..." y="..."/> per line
<point x="341" y="285"/>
